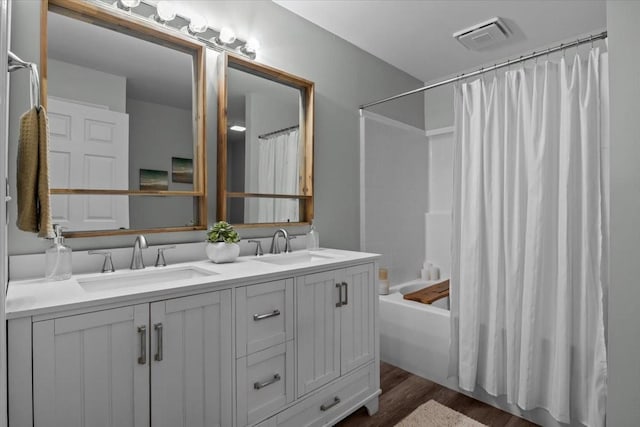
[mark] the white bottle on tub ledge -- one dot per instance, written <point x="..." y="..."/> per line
<point x="425" y="272"/>
<point x="429" y="272"/>
<point x="434" y="272"/>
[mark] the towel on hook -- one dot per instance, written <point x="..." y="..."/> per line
<point x="34" y="206"/>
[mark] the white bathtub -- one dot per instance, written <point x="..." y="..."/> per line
<point x="415" y="336"/>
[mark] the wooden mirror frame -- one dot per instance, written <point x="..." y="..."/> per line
<point x="307" y="89"/>
<point x="108" y="17"/>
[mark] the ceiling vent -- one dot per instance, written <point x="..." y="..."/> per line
<point x="483" y="36"/>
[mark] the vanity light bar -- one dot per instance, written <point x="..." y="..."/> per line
<point x="158" y="12"/>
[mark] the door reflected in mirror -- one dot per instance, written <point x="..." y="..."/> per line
<point x="123" y="118"/>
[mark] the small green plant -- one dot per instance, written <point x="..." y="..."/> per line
<point x="222" y="231"/>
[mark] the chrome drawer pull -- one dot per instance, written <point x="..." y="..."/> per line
<point x="142" y="330"/>
<point x="274" y="313"/>
<point x="158" y="328"/>
<point x="336" y="400"/>
<point x="339" y="287"/>
<point x="259" y="385"/>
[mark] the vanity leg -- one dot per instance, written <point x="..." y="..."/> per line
<point x="372" y="406"/>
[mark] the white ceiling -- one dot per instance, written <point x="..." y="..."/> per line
<point x="416" y="36"/>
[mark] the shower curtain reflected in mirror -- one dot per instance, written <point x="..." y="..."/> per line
<point x="530" y="233"/>
<point x="279" y="173"/>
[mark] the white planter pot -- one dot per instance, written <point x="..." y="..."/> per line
<point x="222" y="252"/>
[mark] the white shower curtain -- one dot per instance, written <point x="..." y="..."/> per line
<point x="527" y="245"/>
<point x="279" y="173"/>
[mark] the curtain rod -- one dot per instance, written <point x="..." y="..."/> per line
<point x="507" y="63"/>
<point x="276" y="132"/>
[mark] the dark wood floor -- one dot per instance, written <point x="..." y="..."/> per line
<point x="403" y="392"/>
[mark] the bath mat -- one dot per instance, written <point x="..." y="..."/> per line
<point x="434" y="414"/>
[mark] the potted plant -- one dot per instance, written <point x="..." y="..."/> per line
<point x="222" y="243"/>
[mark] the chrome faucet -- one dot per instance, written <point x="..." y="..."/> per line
<point x="275" y="246"/>
<point x="137" y="263"/>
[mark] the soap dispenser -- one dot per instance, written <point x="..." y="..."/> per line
<point x="313" y="238"/>
<point x="58" y="257"/>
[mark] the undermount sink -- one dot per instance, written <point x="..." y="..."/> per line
<point x="140" y="278"/>
<point x="292" y="258"/>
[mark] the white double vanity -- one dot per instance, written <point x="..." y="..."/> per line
<point x="277" y="340"/>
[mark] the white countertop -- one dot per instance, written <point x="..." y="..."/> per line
<point x="40" y="297"/>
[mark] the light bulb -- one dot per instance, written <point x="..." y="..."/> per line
<point x="227" y="36"/>
<point x="238" y="128"/>
<point x="127" y="4"/>
<point x="198" y="24"/>
<point x="165" y="11"/>
<point x="251" y="46"/>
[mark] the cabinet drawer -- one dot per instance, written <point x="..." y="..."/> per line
<point x="265" y="382"/>
<point x="264" y="316"/>
<point x="329" y="403"/>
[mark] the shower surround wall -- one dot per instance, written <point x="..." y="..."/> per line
<point x="394" y="194"/>
<point x="406" y="196"/>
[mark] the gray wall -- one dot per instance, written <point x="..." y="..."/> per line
<point x="623" y="407"/>
<point x="78" y="83"/>
<point x="345" y="78"/>
<point x="156" y="134"/>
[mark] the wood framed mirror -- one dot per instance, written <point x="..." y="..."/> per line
<point x="265" y="145"/>
<point x="126" y="105"/>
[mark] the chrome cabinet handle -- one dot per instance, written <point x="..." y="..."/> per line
<point x="158" y="355"/>
<point x="259" y="385"/>
<point x="274" y="313"/>
<point x="346" y="293"/>
<point x="142" y="359"/>
<point x="339" y="287"/>
<point x="327" y="406"/>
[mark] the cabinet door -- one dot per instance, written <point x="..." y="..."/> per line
<point x="359" y="295"/>
<point x="318" y="330"/>
<point x="92" y="369"/>
<point x="191" y="361"/>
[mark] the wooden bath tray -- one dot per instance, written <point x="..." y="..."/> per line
<point x="430" y="293"/>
